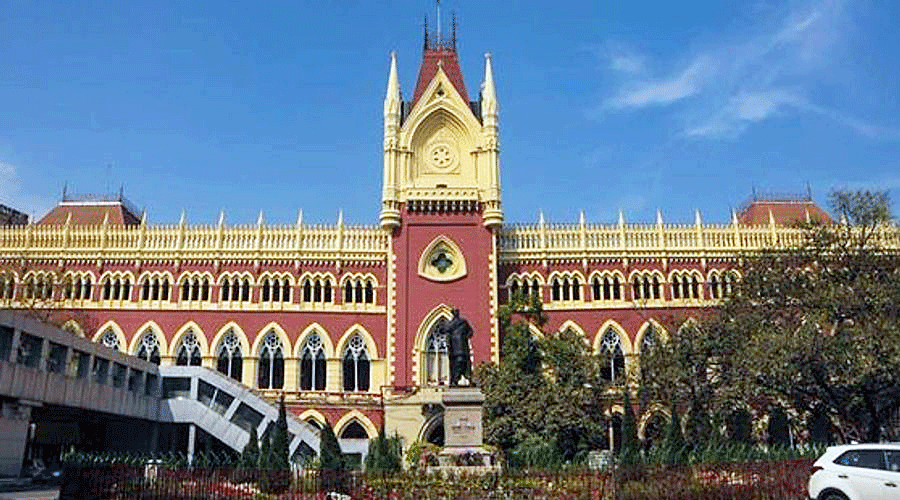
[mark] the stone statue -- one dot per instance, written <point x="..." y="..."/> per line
<point x="458" y="332"/>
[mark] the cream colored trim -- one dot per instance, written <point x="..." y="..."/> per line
<point x="355" y="415"/>
<point x="643" y="329"/>
<point x="442" y="311"/>
<point x="627" y="348"/>
<point x="179" y="336"/>
<point x="73" y="326"/>
<point x="239" y="332"/>
<point x="139" y="335"/>
<point x="371" y="347"/>
<point x="653" y="410"/>
<point x="279" y="331"/>
<point x="571" y="325"/>
<point x="123" y="344"/>
<point x="315" y="415"/>
<point x="327" y="345"/>
<point x="442" y="243"/>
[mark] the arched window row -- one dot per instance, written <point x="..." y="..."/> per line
<point x="155" y="287"/>
<point x="528" y="287"/>
<point x="607" y="287"/>
<point x="646" y="286"/>
<point x="359" y="290"/>
<point x="565" y="288"/>
<point x="686" y="286"/>
<point x="195" y="288"/>
<point x="275" y="290"/>
<point x="77" y="287"/>
<point x="115" y="287"/>
<point x="235" y="289"/>
<point x="318" y="289"/>
<point x="39" y="286"/>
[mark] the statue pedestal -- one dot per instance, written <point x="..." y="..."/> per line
<point x="463" y="432"/>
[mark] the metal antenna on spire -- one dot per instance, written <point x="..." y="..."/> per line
<point x="439" y="22"/>
<point x="453" y="31"/>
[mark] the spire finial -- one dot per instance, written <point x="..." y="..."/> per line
<point x="438" y="22"/>
<point x="425" y="31"/>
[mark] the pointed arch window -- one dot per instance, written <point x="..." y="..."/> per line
<point x="229" y="361"/>
<point x="612" y="358"/>
<point x="149" y="348"/>
<point x="356" y="365"/>
<point x="437" y="357"/>
<point x="312" y="364"/>
<point x="271" y="363"/>
<point x="189" y="351"/>
<point x="110" y="339"/>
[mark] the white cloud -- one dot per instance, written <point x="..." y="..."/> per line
<point x="625" y="62"/>
<point x="734" y="86"/>
<point x="743" y="110"/>
<point x="687" y="83"/>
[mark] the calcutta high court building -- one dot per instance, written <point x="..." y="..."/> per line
<point x="342" y="320"/>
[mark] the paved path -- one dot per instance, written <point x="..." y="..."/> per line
<point x="31" y="495"/>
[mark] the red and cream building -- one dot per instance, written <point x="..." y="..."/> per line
<point x="341" y="319"/>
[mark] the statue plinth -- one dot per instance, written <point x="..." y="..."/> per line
<point x="462" y="417"/>
<point x="463" y="431"/>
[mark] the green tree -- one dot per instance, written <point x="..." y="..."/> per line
<point x="630" y="445"/>
<point x="265" y="451"/>
<point x="250" y="453"/>
<point x="330" y="456"/>
<point x="675" y="448"/>
<point x="385" y="454"/>
<point x="332" y="466"/>
<point x="814" y="322"/>
<point x="280" y="449"/>
<point x="544" y="391"/>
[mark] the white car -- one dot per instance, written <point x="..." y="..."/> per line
<point x="857" y="472"/>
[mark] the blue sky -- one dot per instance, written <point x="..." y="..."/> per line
<point x="276" y="106"/>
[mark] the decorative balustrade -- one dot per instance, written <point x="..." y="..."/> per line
<point x="549" y="241"/>
<point x="198" y="242"/>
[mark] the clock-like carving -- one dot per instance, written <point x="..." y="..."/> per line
<point x="442" y="157"/>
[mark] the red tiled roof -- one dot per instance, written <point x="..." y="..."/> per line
<point x="785" y="213"/>
<point x="449" y="63"/>
<point x="90" y="214"/>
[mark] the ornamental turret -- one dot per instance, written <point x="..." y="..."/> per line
<point x="440" y="149"/>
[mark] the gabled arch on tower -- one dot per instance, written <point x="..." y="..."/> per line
<point x="442" y="260"/>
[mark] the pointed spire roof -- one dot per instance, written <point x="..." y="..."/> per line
<point x="392" y="96"/>
<point x="439" y="53"/>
